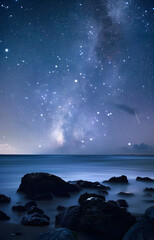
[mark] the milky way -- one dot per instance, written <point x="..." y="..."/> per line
<point x="76" y="76"/>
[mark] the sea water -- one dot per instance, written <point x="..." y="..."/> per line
<point x="76" y="167"/>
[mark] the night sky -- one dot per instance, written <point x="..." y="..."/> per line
<point x="76" y="76"/>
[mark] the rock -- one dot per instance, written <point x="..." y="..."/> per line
<point x="69" y="218"/>
<point x="3" y="216"/>
<point x="35" y="220"/>
<point x="65" y="195"/>
<point x="61" y="208"/>
<point x="59" y="234"/>
<point x="34" y="209"/>
<point x="43" y="196"/>
<point x="4" y="199"/>
<point x="87" y="196"/>
<point x="144" y="179"/>
<point x="126" y="194"/>
<point x="34" y="184"/>
<point x="97" y="215"/>
<point x="30" y="204"/>
<point x="140" y="231"/>
<point x="93" y="185"/>
<point x="104" y="192"/>
<point x="16" y="234"/>
<point x="149" y="201"/>
<point x="122" y="203"/>
<point x="121" y="179"/>
<point x="149" y="190"/>
<point x="149" y="214"/>
<point x="148" y="195"/>
<point x="112" y="203"/>
<point x="19" y="208"/>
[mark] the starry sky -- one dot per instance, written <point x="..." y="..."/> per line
<point x="76" y="76"/>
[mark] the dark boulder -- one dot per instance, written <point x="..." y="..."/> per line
<point x="69" y="218"/>
<point x="16" y="234"/>
<point x="35" y="220"/>
<point x="149" y="214"/>
<point x="62" y="194"/>
<point x="92" y="185"/>
<point x="104" y="192"/>
<point x="122" y="203"/>
<point x="59" y="234"/>
<point x="19" y="208"/>
<point x="113" y="204"/>
<point x="4" y="199"/>
<point x="141" y="230"/>
<point x="87" y="196"/>
<point x="60" y="208"/>
<point x="144" y="229"/>
<point x="149" y="190"/>
<point x="30" y="204"/>
<point x="34" y="184"/>
<point x="97" y="215"/>
<point x="43" y="196"/>
<point x="121" y="179"/>
<point x="34" y="209"/>
<point x="144" y="179"/>
<point x="148" y="195"/>
<point x="126" y="194"/>
<point x="3" y="216"/>
<point x="149" y="201"/>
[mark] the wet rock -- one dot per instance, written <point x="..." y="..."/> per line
<point x="61" y="208"/>
<point x="122" y="203"/>
<point x="16" y="234"/>
<point x="93" y="185"/>
<point x="34" y="209"/>
<point x="126" y="194"/>
<point x="149" y="201"/>
<point x="4" y="199"/>
<point x="149" y="214"/>
<point x="34" y="184"/>
<point x="104" y="192"/>
<point x="30" y="204"/>
<point x="148" y="195"/>
<point x="3" y="216"/>
<point x="112" y="203"/>
<point x="43" y="196"/>
<point x="69" y="218"/>
<point x="121" y="179"/>
<point x="19" y="208"/>
<point x="35" y="220"/>
<point x="64" y="195"/>
<point x="149" y="190"/>
<point x="88" y="196"/>
<point x="97" y="215"/>
<point x="141" y="230"/>
<point x="144" y="179"/>
<point x="59" y="234"/>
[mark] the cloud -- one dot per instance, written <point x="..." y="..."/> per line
<point x="142" y="147"/>
<point x="126" y="108"/>
<point x="6" y="148"/>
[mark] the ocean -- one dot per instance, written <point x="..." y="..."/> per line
<point x="75" y="167"/>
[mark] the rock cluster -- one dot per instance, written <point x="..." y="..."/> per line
<point x="94" y="214"/>
<point x="4" y="199"/>
<point x="121" y="179"/>
<point x="41" y="186"/>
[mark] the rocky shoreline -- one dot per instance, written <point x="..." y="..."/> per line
<point x="93" y="214"/>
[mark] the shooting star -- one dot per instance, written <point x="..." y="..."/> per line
<point x="137" y="118"/>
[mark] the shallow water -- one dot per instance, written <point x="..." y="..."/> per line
<point x="93" y="168"/>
